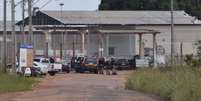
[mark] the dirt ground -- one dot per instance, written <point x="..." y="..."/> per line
<point x="81" y="87"/>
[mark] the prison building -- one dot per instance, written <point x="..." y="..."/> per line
<point x="111" y="33"/>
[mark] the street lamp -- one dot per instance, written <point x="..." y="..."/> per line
<point x="61" y="5"/>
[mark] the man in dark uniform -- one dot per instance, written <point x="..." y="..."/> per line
<point x="101" y="64"/>
<point x="73" y="59"/>
<point x="113" y="68"/>
<point x="107" y="67"/>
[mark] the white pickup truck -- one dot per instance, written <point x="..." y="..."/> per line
<point x="53" y="68"/>
<point x="57" y="66"/>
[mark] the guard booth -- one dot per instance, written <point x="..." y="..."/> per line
<point x="26" y="57"/>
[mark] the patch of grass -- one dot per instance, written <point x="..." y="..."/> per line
<point x="176" y="84"/>
<point x="13" y="83"/>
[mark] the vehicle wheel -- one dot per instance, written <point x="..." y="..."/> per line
<point x="52" y="73"/>
<point x="114" y="73"/>
<point x="78" y="70"/>
<point x="96" y="71"/>
<point x="68" y="71"/>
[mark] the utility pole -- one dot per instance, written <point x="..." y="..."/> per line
<point x="62" y="33"/>
<point x="13" y="34"/>
<point x="23" y="24"/>
<point x="4" y="37"/>
<point x="172" y="32"/>
<point x="30" y="38"/>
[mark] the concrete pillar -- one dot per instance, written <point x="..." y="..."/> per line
<point x="154" y="50"/>
<point x="102" y="45"/>
<point x="88" y="43"/>
<point x="130" y="44"/>
<point x="73" y="44"/>
<point x="83" y="43"/>
<point x="61" y="45"/>
<point x="107" y="44"/>
<point x="100" y="49"/>
<point x="65" y="44"/>
<point x="47" y="43"/>
<point x="141" y="48"/>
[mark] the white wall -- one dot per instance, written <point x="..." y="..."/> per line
<point x="121" y="43"/>
<point x="186" y="34"/>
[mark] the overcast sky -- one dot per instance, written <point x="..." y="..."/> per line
<point x="54" y="5"/>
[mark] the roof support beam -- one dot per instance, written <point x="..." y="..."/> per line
<point x="154" y="50"/>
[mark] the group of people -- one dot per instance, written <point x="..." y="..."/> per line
<point x="107" y="65"/>
<point x="103" y="65"/>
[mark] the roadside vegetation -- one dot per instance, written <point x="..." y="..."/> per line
<point x="176" y="83"/>
<point x="13" y="83"/>
<point x="181" y="84"/>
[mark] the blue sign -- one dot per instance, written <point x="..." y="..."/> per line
<point x="26" y="46"/>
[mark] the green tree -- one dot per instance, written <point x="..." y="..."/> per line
<point x="192" y="7"/>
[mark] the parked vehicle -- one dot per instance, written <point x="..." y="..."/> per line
<point x="122" y="64"/>
<point x="66" y="66"/>
<point x="86" y="64"/>
<point x="90" y="64"/>
<point x="77" y="63"/>
<point x="35" y="72"/>
<point x="57" y="66"/>
<point x="43" y="68"/>
<point x="46" y="62"/>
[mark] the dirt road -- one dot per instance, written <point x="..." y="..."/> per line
<point x="82" y="87"/>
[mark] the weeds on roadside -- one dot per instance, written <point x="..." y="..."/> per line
<point x="12" y="83"/>
<point x="177" y="84"/>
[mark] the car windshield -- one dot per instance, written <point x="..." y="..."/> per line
<point x="122" y="60"/>
<point x="45" y="61"/>
<point x="91" y="61"/>
<point x="37" y="60"/>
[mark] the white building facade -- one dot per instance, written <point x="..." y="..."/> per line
<point x="127" y="44"/>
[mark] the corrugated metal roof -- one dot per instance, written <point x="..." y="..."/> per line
<point x="121" y="17"/>
<point x="117" y="17"/>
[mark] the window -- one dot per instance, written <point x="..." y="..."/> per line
<point x="37" y="60"/>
